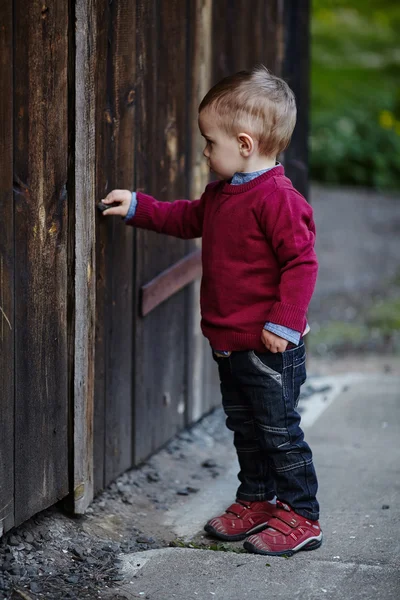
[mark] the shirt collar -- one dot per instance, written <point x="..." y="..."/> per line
<point x="240" y="178"/>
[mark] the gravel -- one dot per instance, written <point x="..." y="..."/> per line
<point x="60" y="557"/>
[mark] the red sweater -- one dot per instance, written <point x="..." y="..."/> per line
<point x="258" y="254"/>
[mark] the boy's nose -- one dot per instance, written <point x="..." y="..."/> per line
<point x="205" y="153"/>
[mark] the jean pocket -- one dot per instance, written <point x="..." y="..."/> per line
<point x="267" y="369"/>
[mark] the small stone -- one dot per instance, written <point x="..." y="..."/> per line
<point x="6" y="566"/>
<point x="4" y="584"/>
<point x="77" y="551"/>
<point x="192" y="490"/>
<point x="385" y="506"/>
<point x="14" y="540"/>
<point x="142" y="539"/>
<point x="128" y="500"/>
<point x="28" y="537"/>
<point x="209" y="463"/>
<point x="15" y="571"/>
<point x="182" y="492"/>
<point x="153" y="477"/>
<point x="34" y="587"/>
<point x="73" y="579"/>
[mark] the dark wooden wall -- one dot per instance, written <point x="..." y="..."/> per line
<point x="6" y="272"/>
<point x="104" y="94"/>
<point x="34" y="258"/>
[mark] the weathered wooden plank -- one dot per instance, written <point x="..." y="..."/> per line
<point x="170" y="281"/>
<point x="296" y="66"/>
<point x="84" y="252"/>
<point x="40" y="167"/>
<point x="162" y="144"/>
<point x="201" y="372"/>
<point x="103" y="226"/>
<point x="6" y="273"/>
<point x="118" y="114"/>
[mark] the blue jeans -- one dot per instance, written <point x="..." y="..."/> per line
<point x="260" y="393"/>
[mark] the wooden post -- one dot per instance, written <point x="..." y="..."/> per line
<point x="83" y="258"/>
<point x="6" y="272"/>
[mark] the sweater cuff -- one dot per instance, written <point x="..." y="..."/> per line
<point x="288" y="315"/>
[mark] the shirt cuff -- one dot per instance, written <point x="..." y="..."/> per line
<point x="284" y="332"/>
<point x="132" y="208"/>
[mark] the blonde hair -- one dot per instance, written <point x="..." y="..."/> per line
<point x="255" y="102"/>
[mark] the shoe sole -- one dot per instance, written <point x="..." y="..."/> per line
<point x="311" y="545"/>
<point x="233" y="538"/>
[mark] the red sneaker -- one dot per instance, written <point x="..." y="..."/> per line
<point x="287" y="533"/>
<point x="240" y="520"/>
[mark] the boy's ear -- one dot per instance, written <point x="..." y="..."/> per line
<point x="246" y="144"/>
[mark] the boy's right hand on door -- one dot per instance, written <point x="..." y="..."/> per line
<point x="122" y="201"/>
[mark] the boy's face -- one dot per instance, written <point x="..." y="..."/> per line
<point x="222" y="150"/>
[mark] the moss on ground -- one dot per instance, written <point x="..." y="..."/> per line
<point x="217" y="546"/>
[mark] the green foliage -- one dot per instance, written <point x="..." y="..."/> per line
<point x="385" y="315"/>
<point x="377" y="330"/>
<point x="355" y="100"/>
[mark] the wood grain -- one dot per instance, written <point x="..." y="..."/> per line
<point x="84" y="252"/>
<point x="115" y="160"/>
<point x="162" y="145"/>
<point x="201" y="369"/>
<point x="7" y="325"/>
<point x="40" y="175"/>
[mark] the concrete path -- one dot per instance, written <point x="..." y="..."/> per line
<point x="356" y="445"/>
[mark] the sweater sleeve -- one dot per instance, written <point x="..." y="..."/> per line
<point x="181" y="218"/>
<point x="289" y="226"/>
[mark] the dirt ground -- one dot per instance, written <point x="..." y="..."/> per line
<point x="358" y="244"/>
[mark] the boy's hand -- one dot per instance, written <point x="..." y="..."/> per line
<point x="273" y="342"/>
<point x="123" y="198"/>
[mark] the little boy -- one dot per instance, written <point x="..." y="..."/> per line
<point x="259" y="273"/>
